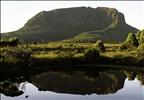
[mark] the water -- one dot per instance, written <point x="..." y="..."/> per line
<point x="89" y="84"/>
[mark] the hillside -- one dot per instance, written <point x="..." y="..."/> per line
<point x="60" y="24"/>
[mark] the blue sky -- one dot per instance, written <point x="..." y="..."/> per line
<point x="14" y="14"/>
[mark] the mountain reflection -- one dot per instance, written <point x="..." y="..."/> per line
<point x="82" y="82"/>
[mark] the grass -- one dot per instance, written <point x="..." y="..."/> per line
<point x="120" y="54"/>
<point x="49" y="55"/>
<point x="54" y="50"/>
<point x="58" y="53"/>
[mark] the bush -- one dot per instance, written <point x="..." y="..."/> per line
<point x="140" y="50"/>
<point x="15" y="56"/>
<point x="140" y="36"/>
<point x="91" y="53"/>
<point x="9" y="41"/>
<point x="10" y="89"/>
<point x="99" y="46"/>
<point x="140" y="77"/>
<point x="130" y="75"/>
<point x="130" y="42"/>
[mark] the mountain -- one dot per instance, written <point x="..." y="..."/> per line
<point x="75" y="23"/>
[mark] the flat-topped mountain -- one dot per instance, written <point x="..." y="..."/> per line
<point x="60" y="24"/>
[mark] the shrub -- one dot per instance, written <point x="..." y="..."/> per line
<point x="123" y="47"/>
<point x="99" y="46"/>
<point x="140" y="36"/>
<point x="15" y="56"/>
<point x="9" y="41"/>
<point x="10" y="89"/>
<point x="130" y="42"/>
<point x="130" y="75"/>
<point x="140" y="77"/>
<point x="140" y="50"/>
<point x="91" y="53"/>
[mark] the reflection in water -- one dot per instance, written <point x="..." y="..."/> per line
<point x="10" y="89"/>
<point x="82" y="82"/>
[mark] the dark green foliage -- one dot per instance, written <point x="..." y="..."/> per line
<point x="91" y="53"/>
<point x="9" y="41"/>
<point x="99" y="46"/>
<point x="131" y="42"/>
<point x="130" y="75"/>
<point x="10" y="89"/>
<point x="55" y="54"/>
<point x="140" y="50"/>
<point x="14" y="58"/>
<point x="140" y="77"/>
<point x="140" y="36"/>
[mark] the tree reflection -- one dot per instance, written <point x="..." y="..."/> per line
<point x="10" y="89"/>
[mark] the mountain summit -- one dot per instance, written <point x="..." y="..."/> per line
<point x="60" y="24"/>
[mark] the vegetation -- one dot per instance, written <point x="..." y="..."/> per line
<point x="14" y="59"/>
<point x="10" y="89"/>
<point x="38" y="54"/>
<point x="140" y="36"/>
<point x="140" y="50"/>
<point x="25" y="58"/>
<point x="130" y="42"/>
<point x="99" y="46"/>
<point x="9" y="41"/>
<point x="91" y="54"/>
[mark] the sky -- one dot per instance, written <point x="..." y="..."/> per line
<point x="14" y="14"/>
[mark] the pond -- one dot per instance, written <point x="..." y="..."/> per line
<point x="80" y="84"/>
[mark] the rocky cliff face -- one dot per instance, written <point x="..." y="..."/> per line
<point x="81" y="19"/>
<point x="66" y="23"/>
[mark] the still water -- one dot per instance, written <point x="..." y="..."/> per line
<point x="98" y="84"/>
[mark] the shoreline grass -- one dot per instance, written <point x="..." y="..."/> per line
<point x="54" y="54"/>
